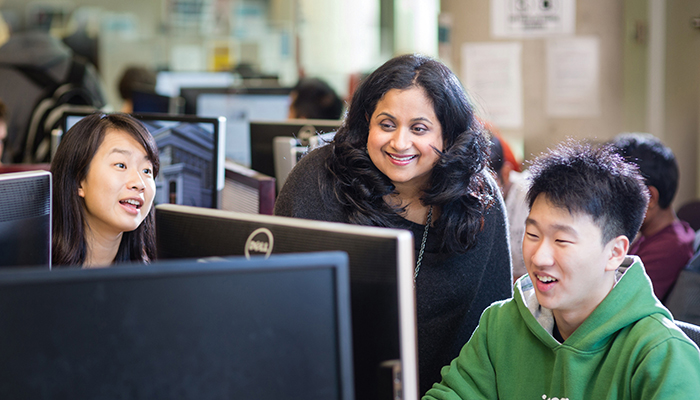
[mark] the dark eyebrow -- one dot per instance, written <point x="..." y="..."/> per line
<point x="128" y="153"/>
<point x="413" y="120"/>
<point x="557" y="227"/>
<point x="120" y="151"/>
<point x="386" y="114"/>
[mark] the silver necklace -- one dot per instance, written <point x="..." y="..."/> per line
<point x="422" y="244"/>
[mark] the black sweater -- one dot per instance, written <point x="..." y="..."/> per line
<point x="452" y="290"/>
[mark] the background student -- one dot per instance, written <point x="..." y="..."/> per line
<point x="666" y="243"/>
<point x="584" y="323"/>
<point x="313" y="98"/>
<point x="135" y="78"/>
<point x="411" y="154"/>
<point x="103" y="188"/>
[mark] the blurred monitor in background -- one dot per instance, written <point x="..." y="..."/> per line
<point x="240" y="106"/>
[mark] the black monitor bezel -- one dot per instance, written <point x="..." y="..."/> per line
<point x="46" y="218"/>
<point x="192" y="219"/>
<point x="338" y="261"/>
<point x="280" y="129"/>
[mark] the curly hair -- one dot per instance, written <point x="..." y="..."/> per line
<point x="70" y="166"/>
<point x="459" y="183"/>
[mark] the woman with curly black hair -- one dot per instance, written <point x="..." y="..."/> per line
<point x="411" y="154"/>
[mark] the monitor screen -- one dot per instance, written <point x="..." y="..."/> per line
<point x="263" y="133"/>
<point x="276" y="328"/>
<point x="169" y="83"/>
<point x="191" y="157"/>
<point x="25" y="219"/>
<point x="240" y="106"/>
<point x="381" y="280"/>
<point x="146" y="102"/>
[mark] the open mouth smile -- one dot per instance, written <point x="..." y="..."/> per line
<point x="402" y="159"/>
<point x="545" y="283"/>
<point x="132" y="205"/>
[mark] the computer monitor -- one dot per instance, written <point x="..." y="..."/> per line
<point x="246" y="190"/>
<point x="169" y="83"/>
<point x="25" y="219"/>
<point x="239" y="106"/>
<point x="276" y="328"/>
<point x="299" y="131"/>
<point x="191" y="94"/>
<point x="191" y="157"/>
<point x="147" y="102"/>
<point x="381" y="280"/>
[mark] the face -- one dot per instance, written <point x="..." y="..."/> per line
<point x="571" y="269"/>
<point x="403" y="132"/>
<point x="119" y="187"/>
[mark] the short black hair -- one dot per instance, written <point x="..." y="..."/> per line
<point x="136" y="78"/>
<point x="314" y="99"/>
<point x="656" y="162"/>
<point x="593" y="180"/>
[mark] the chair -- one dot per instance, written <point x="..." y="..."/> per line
<point x="690" y="213"/>
<point x="693" y="331"/>
<point x="684" y="298"/>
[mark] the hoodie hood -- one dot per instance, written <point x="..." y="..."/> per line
<point x="34" y="48"/>
<point x="630" y="300"/>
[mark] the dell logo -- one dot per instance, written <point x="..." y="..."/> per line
<point x="260" y="242"/>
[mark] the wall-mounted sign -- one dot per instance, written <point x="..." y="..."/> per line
<point x="573" y="77"/>
<point x="532" y="18"/>
<point x="492" y="76"/>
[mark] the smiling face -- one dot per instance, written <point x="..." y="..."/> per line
<point x="570" y="267"/>
<point x="119" y="187"/>
<point x="403" y="135"/>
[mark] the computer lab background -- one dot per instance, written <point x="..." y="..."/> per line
<point x="648" y="54"/>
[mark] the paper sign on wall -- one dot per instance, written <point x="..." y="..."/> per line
<point x="532" y="18"/>
<point x="492" y="75"/>
<point x="573" y="77"/>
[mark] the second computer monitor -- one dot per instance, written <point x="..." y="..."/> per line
<point x="25" y="219"/>
<point x="191" y="158"/>
<point x="262" y="134"/>
<point x="229" y="329"/>
<point x="239" y="106"/>
<point x="381" y="280"/>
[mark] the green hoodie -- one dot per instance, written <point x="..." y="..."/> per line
<point x="628" y="348"/>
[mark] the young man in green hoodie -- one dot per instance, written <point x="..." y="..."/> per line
<point x="584" y="322"/>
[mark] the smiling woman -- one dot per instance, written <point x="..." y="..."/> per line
<point x="412" y="155"/>
<point x="103" y="185"/>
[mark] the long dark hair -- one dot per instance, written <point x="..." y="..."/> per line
<point x="459" y="184"/>
<point x="70" y="166"/>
